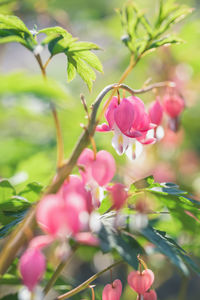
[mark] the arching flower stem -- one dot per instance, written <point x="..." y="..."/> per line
<point x="85" y="284"/>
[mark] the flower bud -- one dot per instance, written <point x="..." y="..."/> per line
<point x="32" y="266"/>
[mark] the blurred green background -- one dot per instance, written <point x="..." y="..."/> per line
<point x="27" y="133"/>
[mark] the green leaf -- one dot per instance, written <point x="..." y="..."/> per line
<point x="6" y="190"/>
<point x="105" y="205"/>
<point x="6" y="229"/>
<point x="85" y="72"/>
<point x="167" y="40"/>
<point x="165" y="247"/>
<point x="12" y="29"/>
<point x="32" y="191"/>
<point x="79" y="57"/>
<point x="91" y="59"/>
<point x="21" y="83"/>
<point x="127" y="247"/>
<point x="83" y="46"/>
<point x="58" y="39"/>
<point x="71" y="70"/>
<point x="13" y="22"/>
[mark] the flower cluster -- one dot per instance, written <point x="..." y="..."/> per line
<point x="70" y="212"/>
<point x="133" y="126"/>
<point x="139" y="281"/>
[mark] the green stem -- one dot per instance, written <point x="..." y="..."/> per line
<point x="60" y="145"/>
<point x="85" y="284"/>
<point x="58" y="270"/>
<point x="39" y="60"/>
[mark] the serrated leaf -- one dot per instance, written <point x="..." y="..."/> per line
<point x="13" y="22"/>
<point x="91" y="59"/>
<point x="86" y="73"/>
<point x="127" y="247"/>
<point x="82" y="46"/>
<point x="165" y="247"/>
<point x="12" y="29"/>
<point x="71" y="70"/>
<point x="58" y="39"/>
<point x="168" y="40"/>
<point x="176" y="16"/>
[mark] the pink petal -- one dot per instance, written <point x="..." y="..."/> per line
<point x="74" y="184"/>
<point x="32" y="266"/>
<point x="87" y="238"/>
<point x="41" y="241"/>
<point x="112" y="291"/>
<point x="103" y="128"/>
<point x="141" y="282"/>
<point x="103" y="168"/>
<point x="118" y="195"/>
<point x="124" y="115"/>
<point x="173" y="105"/>
<point x="109" y="114"/>
<point x="85" y="160"/>
<point x="156" y="112"/>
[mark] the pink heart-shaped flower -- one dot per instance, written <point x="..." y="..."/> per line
<point x="141" y="282"/>
<point x="112" y="291"/>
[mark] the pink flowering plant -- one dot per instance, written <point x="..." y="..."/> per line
<point x="89" y="204"/>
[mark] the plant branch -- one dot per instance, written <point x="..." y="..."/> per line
<point x="47" y="62"/>
<point x="123" y="77"/>
<point x="60" y="146"/>
<point x="85" y="284"/>
<point x="58" y="270"/>
<point x="38" y="58"/>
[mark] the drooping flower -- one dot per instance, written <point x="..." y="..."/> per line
<point x="141" y="282"/>
<point x="150" y="295"/>
<point x="96" y="171"/>
<point x="74" y="184"/>
<point x="32" y="266"/>
<point x="156" y="112"/>
<point x="118" y="195"/>
<point x="129" y="121"/>
<point x="173" y="105"/>
<point x="112" y="291"/>
<point x="60" y="218"/>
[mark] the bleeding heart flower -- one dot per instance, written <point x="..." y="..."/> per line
<point x="156" y="112"/>
<point x="112" y="291"/>
<point x="96" y="172"/>
<point x="118" y="195"/>
<point x="151" y="295"/>
<point x="129" y="121"/>
<point x="58" y="218"/>
<point x="74" y="184"/>
<point x="173" y="105"/>
<point x="87" y="238"/>
<point x="100" y="169"/>
<point x="141" y="282"/>
<point x="32" y="266"/>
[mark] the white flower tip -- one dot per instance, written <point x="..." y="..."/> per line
<point x="38" y="49"/>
